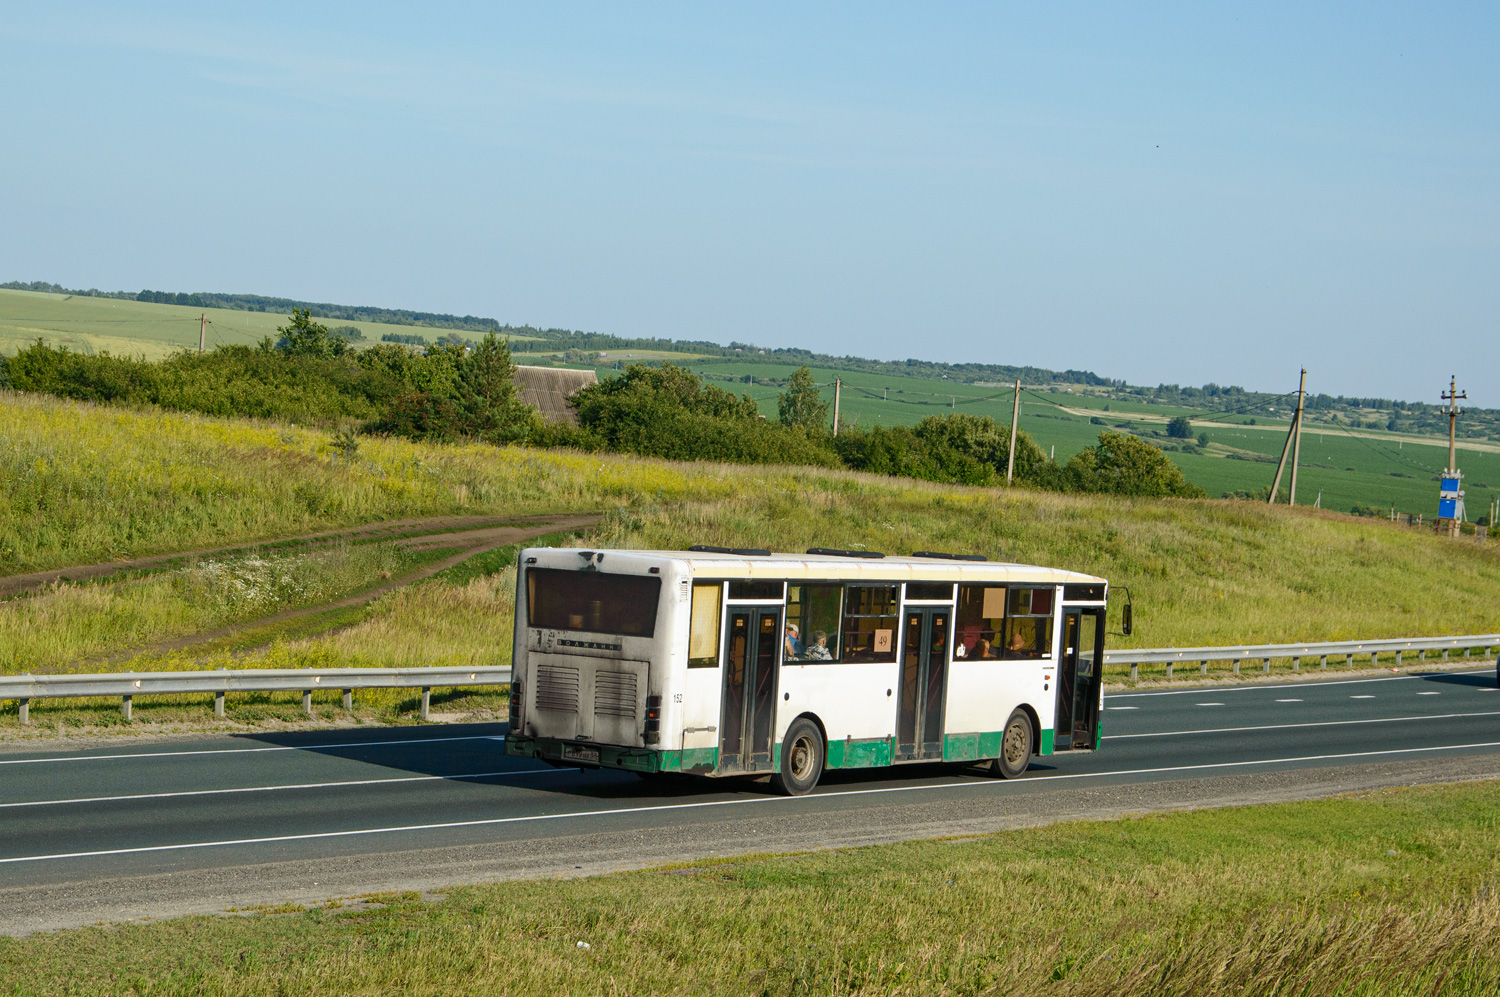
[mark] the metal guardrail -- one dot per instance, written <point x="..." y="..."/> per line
<point x="130" y="684"/>
<point x="1266" y="653"/>
<point x="127" y="685"/>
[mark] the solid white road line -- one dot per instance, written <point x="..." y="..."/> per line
<point x="1278" y="686"/>
<point x="271" y="789"/>
<point x="1312" y="723"/>
<point x="246" y="751"/>
<point x="616" y="811"/>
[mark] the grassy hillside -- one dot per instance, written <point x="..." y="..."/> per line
<point x="1387" y="894"/>
<point x="85" y="324"/>
<point x="81" y="484"/>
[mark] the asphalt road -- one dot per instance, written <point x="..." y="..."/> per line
<point x="136" y="830"/>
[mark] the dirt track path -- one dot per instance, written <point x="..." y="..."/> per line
<point x="430" y="527"/>
<point x="469" y="541"/>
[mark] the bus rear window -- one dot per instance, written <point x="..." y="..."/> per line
<point x="624" y="605"/>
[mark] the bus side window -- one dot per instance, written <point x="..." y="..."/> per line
<point x="870" y="621"/>
<point x="1028" y="624"/>
<point x="812" y="622"/>
<point x="981" y="622"/>
<point x="703" y="626"/>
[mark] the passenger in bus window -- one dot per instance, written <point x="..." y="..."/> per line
<point x="819" y="649"/>
<point x="982" y="650"/>
<point x="793" y="642"/>
<point x="1017" y="644"/>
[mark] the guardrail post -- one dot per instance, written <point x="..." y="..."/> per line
<point x="1203" y="667"/>
<point x="1268" y="666"/>
<point x="125" y="707"/>
<point x="1445" y="654"/>
<point x="1323" y="661"/>
<point x="1169" y="669"/>
<point x="1135" y="671"/>
<point x="349" y="699"/>
<point x="307" y="701"/>
<point x="1466" y="653"/>
<point x="426" y="699"/>
<point x="1236" y="666"/>
<point x="1296" y="663"/>
<point x="1422" y="656"/>
<point x="1374" y="659"/>
<point x="1398" y="659"/>
<point x="1348" y="661"/>
<point x="219" y="704"/>
<point x="25" y="711"/>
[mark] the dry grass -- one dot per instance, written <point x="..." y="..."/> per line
<point x="1392" y="893"/>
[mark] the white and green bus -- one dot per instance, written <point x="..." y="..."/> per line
<point x="721" y="662"/>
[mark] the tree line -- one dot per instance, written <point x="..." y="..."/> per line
<point x="457" y="391"/>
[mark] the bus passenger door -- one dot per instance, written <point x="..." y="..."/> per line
<point x="1078" y="679"/>
<point x="752" y="654"/>
<point x="924" y="677"/>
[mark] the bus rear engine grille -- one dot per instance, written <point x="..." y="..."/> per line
<point x="557" y="688"/>
<point x="614" y="694"/>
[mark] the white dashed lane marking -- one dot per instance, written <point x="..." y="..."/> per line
<point x="1429" y="694"/>
<point x="1361" y="697"/>
<point x="1122" y="707"/>
<point x="1208" y="704"/>
<point x="1288" y="700"/>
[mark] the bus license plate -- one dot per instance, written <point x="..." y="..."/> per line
<point x="580" y="754"/>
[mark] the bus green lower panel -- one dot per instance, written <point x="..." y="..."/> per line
<point x="852" y="754"/>
<point x="1048" y="734"/>
<point x="972" y="747"/>
<point x="700" y="760"/>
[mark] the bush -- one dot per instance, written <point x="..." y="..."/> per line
<point x="961" y="448"/>
<point x="1126" y="465"/>
<point x="1180" y="428"/>
<point x="669" y="412"/>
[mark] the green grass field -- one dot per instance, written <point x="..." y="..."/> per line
<point x="1362" y="467"/>
<point x="130" y="328"/>
<point x="1390" y="894"/>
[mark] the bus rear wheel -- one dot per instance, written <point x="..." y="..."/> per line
<point x="1015" y="747"/>
<point x="801" y="759"/>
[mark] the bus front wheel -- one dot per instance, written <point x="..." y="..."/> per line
<point x="1015" y="747"/>
<point x="801" y="759"/>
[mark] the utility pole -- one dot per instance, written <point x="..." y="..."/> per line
<point x="837" y="385"/>
<point x="1287" y="447"/>
<point x="202" y="330"/>
<point x="1452" y="398"/>
<point x="1450" y="495"/>
<point x="1015" y="419"/>
<point x="1291" y="498"/>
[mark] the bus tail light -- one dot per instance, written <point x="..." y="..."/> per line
<point x="515" y="704"/>
<point x="652" y="732"/>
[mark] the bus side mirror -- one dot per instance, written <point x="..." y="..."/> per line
<point x="1126" y="621"/>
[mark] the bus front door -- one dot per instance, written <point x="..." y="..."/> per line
<point x="924" y="676"/>
<point x="754" y="648"/>
<point x="1078" y="679"/>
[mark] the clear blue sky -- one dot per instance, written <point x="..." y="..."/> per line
<point x="1185" y="193"/>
